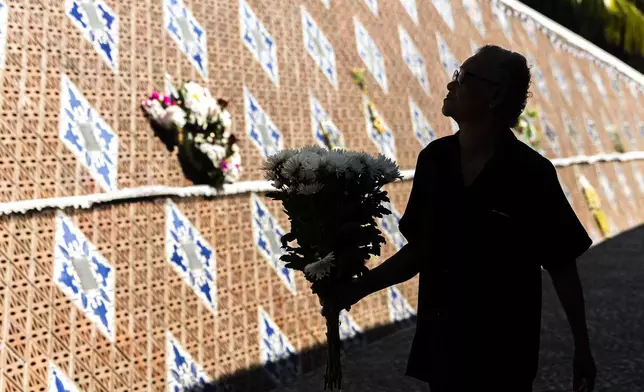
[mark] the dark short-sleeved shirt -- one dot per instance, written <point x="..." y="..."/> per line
<point x="481" y="250"/>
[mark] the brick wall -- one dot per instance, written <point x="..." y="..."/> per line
<point x="48" y="333"/>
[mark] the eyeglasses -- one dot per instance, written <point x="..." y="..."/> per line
<point x="459" y="77"/>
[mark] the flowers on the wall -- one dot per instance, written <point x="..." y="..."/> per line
<point x="528" y="130"/>
<point x="199" y="126"/>
<point x="614" y="137"/>
<point x="594" y="205"/>
<point x="377" y="130"/>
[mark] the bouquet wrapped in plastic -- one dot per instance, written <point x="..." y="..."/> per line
<point x="332" y="199"/>
<point x="191" y="120"/>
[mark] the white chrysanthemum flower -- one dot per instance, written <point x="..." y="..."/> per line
<point x="310" y="161"/>
<point x="290" y="167"/>
<point x="387" y="168"/>
<point x="226" y="119"/>
<point x="275" y="160"/>
<point x="307" y="176"/>
<point x="174" y="115"/>
<point x="317" y="150"/>
<point x="199" y="102"/>
<point x="155" y="110"/>
<point x="215" y="152"/>
<point x="354" y="164"/>
<point x="336" y="162"/>
<point x="310" y="189"/>
<point x="320" y="268"/>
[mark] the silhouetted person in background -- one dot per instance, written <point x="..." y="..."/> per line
<point x="485" y="213"/>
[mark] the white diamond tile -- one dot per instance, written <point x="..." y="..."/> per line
<point x="319" y="48"/>
<point x="182" y="370"/>
<point x="385" y="142"/>
<point x="370" y="54"/>
<point x="323" y="128"/>
<point x="88" y="136"/>
<point x="539" y="76"/>
<point x="573" y="134"/>
<point x="423" y="131"/>
<point x="187" y="33"/>
<point x="259" y="41"/>
<point x="475" y="14"/>
<point x="372" y="5"/>
<point x="260" y="128"/>
<point x="593" y="133"/>
<point x="84" y="275"/>
<point x="276" y="354"/>
<point x="449" y="62"/>
<point x="560" y="78"/>
<point x="389" y="224"/>
<point x="99" y="25"/>
<point x="444" y="9"/>
<point x="267" y="236"/>
<point x="582" y="87"/>
<point x="412" y="10"/>
<point x="58" y="381"/>
<point x="191" y="256"/>
<point x="399" y="308"/>
<point x="597" y="79"/>
<point x="414" y="59"/>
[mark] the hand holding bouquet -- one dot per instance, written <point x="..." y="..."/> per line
<point x="332" y="199"/>
<point x="200" y="126"/>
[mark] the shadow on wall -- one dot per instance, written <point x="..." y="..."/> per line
<point x="612" y="275"/>
<point x="257" y="379"/>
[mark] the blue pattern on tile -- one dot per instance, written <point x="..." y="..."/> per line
<point x="182" y="371"/>
<point x="58" y="381"/>
<point x="267" y="235"/>
<point x="84" y="275"/>
<point x="319" y="48"/>
<point x="318" y="117"/>
<point x="259" y="41"/>
<point x="370" y="54"/>
<point x="191" y="256"/>
<point x="278" y="356"/>
<point x="385" y="142"/>
<point x="187" y="33"/>
<point x="399" y="308"/>
<point x="260" y="128"/>
<point x="423" y="131"/>
<point x="99" y="25"/>
<point x="414" y="59"/>
<point x="88" y="136"/>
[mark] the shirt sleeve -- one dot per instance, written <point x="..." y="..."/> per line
<point x="567" y="238"/>
<point x="411" y="223"/>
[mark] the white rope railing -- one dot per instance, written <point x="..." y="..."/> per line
<point x="159" y="191"/>
<point x="573" y="43"/>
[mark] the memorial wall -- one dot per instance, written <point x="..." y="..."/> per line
<point x="119" y="273"/>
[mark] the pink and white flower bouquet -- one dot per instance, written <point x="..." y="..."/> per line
<point x="199" y="126"/>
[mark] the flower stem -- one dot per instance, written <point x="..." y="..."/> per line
<point x="333" y="375"/>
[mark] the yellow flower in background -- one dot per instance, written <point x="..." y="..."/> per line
<point x="617" y="141"/>
<point x="527" y="128"/>
<point x="375" y="120"/>
<point x="358" y="77"/>
<point x="602" y="222"/>
<point x="332" y="141"/>
<point x="594" y="205"/>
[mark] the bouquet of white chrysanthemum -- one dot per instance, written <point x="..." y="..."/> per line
<point x="332" y="199"/>
<point x="200" y="126"/>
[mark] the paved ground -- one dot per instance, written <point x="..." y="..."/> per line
<point x="612" y="274"/>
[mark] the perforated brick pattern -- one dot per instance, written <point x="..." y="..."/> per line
<point x="40" y="325"/>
